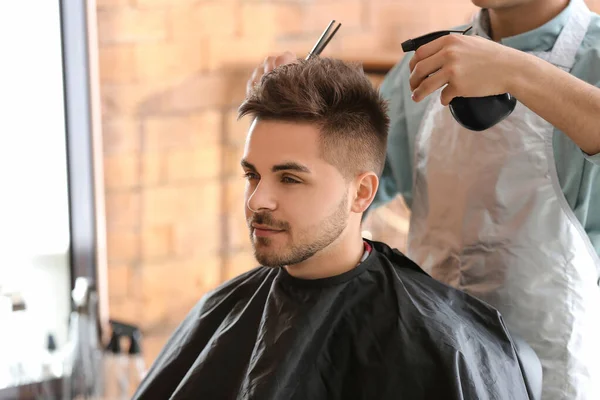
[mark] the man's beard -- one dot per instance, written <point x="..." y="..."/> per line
<point x="307" y="243"/>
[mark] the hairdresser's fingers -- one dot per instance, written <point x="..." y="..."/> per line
<point x="256" y="74"/>
<point x="429" y="49"/>
<point x="269" y="64"/>
<point x="266" y="66"/>
<point x="286" y="58"/>
<point x="425" y="68"/>
<point x="430" y="85"/>
<point x="448" y="93"/>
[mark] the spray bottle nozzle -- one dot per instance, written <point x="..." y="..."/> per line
<point x="414" y="44"/>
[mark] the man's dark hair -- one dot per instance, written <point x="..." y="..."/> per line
<point x="337" y="97"/>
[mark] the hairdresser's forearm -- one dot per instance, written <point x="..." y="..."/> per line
<point x="568" y="103"/>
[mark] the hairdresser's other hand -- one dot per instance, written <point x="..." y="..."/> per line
<point x="268" y="65"/>
<point x="471" y="66"/>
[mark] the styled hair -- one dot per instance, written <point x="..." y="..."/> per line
<point x="337" y="97"/>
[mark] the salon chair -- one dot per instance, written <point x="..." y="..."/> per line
<point x="530" y="366"/>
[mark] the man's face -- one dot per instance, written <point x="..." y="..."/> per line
<point x="296" y="203"/>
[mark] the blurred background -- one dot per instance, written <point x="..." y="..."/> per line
<point x="122" y="193"/>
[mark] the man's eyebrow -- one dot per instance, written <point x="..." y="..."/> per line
<point x="291" y="166"/>
<point x="286" y="166"/>
<point x="247" y="165"/>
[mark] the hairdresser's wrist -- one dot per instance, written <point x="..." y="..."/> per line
<point x="521" y="70"/>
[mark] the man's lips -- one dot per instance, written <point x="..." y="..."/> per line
<point x="263" y="230"/>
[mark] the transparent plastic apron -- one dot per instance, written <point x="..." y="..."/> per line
<point x="489" y="217"/>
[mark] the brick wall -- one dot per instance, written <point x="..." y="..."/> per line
<point x="172" y="75"/>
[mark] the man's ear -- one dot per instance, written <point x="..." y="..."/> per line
<point x="365" y="190"/>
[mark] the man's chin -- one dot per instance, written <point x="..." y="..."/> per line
<point x="267" y="260"/>
<point x="266" y="252"/>
<point x="276" y="257"/>
<point x="273" y="255"/>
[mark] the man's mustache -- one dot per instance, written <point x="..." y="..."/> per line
<point x="268" y="220"/>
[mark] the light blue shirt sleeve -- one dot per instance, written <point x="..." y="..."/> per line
<point x="587" y="67"/>
<point x="397" y="173"/>
<point x="594" y="159"/>
<point x="579" y="173"/>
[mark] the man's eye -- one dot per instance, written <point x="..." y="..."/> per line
<point x="287" y="179"/>
<point x="250" y="175"/>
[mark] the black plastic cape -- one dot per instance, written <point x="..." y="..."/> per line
<point x="384" y="330"/>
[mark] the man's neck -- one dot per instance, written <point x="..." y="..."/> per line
<point x="340" y="256"/>
<point x="511" y="21"/>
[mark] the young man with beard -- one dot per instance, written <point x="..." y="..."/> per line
<point x="328" y="314"/>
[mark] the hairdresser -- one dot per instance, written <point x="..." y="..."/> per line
<point x="509" y="213"/>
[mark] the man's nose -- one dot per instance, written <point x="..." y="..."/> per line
<point x="262" y="198"/>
